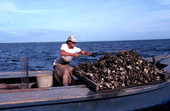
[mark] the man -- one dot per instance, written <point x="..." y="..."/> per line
<point x="62" y="69"/>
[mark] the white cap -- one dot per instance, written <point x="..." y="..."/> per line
<point x="72" y="38"/>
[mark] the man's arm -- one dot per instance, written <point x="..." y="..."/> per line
<point x="85" y="52"/>
<point x="64" y="53"/>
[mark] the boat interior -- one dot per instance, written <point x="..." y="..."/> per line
<point x="16" y="80"/>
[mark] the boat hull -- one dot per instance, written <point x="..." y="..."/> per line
<point x="81" y="98"/>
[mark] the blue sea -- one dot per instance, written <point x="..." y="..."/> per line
<point x="41" y="55"/>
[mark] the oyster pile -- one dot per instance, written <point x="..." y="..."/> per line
<point x="124" y="69"/>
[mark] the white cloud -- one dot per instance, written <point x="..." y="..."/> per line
<point x="11" y="7"/>
<point x="6" y="5"/>
<point x="158" y="20"/>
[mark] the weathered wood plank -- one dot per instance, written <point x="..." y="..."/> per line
<point x="19" y="74"/>
<point x="22" y="90"/>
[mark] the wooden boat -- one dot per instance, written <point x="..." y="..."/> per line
<point x="79" y="97"/>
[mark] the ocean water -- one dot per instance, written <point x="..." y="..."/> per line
<point x="41" y="55"/>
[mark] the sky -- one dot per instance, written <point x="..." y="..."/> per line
<point x="88" y="20"/>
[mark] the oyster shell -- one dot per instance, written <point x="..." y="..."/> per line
<point x="121" y="70"/>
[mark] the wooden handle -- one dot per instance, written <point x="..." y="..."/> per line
<point x="161" y="58"/>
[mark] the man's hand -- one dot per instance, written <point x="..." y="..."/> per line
<point x="85" y="52"/>
<point x="94" y="54"/>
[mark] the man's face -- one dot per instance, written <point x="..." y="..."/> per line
<point x="71" y="44"/>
